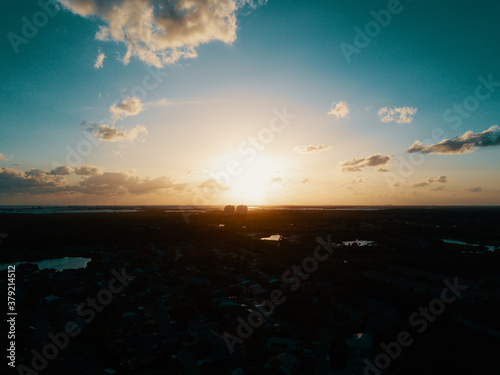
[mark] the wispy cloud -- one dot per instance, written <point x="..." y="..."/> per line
<point x="160" y="102"/>
<point x="4" y="158"/>
<point x="99" y="60"/>
<point x="111" y="133"/>
<point x="430" y="180"/>
<point x="339" y="109"/>
<point x="303" y="149"/>
<point x="356" y="165"/>
<point x="462" y="144"/>
<point x="161" y="32"/>
<point x="475" y="189"/>
<point x="276" y="179"/>
<point x="402" y="115"/>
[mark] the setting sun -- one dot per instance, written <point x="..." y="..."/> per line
<point x="256" y="181"/>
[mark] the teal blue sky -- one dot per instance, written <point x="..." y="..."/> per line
<point x="419" y="73"/>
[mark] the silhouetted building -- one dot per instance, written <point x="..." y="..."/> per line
<point x="229" y="210"/>
<point x="242" y="210"/>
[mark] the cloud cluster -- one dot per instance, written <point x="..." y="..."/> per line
<point x="84" y="170"/>
<point x="99" y="60"/>
<point x="402" y="115"/>
<point x="33" y="180"/>
<point x="111" y="183"/>
<point x="131" y="106"/>
<point x="462" y="144"/>
<point x="339" y="109"/>
<point x="356" y="165"/>
<point x="303" y="149"/>
<point x="93" y="181"/>
<point x="161" y="32"/>
<point x="430" y="180"/>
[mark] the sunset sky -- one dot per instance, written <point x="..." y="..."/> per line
<point x="273" y="102"/>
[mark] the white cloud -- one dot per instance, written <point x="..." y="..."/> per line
<point x="4" y="158"/>
<point x="303" y="149"/>
<point x="161" y="32"/>
<point x="402" y="115"/>
<point x="99" y="60"/>
<point x="131" y="106"/>
<point x="339" y="109"/>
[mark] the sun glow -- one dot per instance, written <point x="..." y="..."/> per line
<point x="256" y="181"/>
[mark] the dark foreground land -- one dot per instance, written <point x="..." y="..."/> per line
<point x="167" y="293"/>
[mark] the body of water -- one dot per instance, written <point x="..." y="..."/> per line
<point x="456" y="242"/>
<point x="59" y="264"/>
<point x="40" y="210"/>
<point x="358" y="243"/>
<point x="273" y="237"/>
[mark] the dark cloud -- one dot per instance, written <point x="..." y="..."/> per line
<point x="110" y="183"/>
<point x="462" y="144"/>
<point x="356" y="165"/>
<point x="110" y="133"/>
<point x="63" y="170"/>
<point x="430" y="180"/>
<point x="87" y="170"/>
<point x="36" y="181"/>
